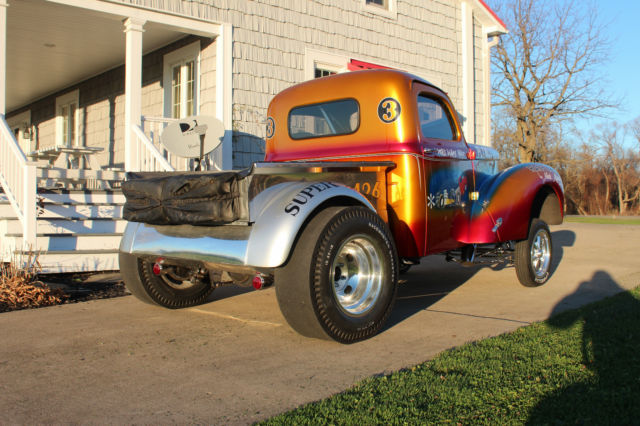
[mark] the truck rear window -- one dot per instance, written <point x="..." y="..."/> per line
<point x="326" y="119"/>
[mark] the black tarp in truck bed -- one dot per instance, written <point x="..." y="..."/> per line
<point x="198" y="198"/>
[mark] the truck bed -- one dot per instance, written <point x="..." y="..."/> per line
<point x="216" y="198"/>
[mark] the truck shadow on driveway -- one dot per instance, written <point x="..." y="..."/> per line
<point x="434" y="279"/>
<point x="429" y="282"/>
<point x="561" y="240"/>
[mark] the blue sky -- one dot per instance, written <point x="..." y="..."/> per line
<point x="621" y="20"/>
<point x="624" y="68"/>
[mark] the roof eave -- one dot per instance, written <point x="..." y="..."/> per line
<point x="493" y="25"/>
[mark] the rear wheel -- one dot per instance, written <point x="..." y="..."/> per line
<point x="533" y="256"/>
<point x="341" y="279"/>
<point x="176" y="287"/>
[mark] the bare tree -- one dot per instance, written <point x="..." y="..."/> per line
<point x="622" y="163"/>
<point x="578" y="167"/>
<point x="635" y="129"/>
<point x="546" y="69"/>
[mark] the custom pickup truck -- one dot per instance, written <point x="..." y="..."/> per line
<point x="364" y="174"/>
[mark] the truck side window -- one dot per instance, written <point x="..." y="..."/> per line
<point x="326" y="119"/>
<point x="435" y="121"/>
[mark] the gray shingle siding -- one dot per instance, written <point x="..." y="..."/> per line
<point x="271" y="39"/>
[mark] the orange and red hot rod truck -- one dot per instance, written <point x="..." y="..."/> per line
<point x="364" y="174"/>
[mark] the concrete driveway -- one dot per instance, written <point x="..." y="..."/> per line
<point x="235" y="361"/>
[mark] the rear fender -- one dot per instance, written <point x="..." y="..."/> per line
<point x="280" y="212"/>
<point x="509" y="201"/>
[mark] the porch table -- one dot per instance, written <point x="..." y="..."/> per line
<point x="67" y="157"/>
<point x="68" y="161"/>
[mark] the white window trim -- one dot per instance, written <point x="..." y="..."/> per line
<point x="390" y="12"/>
<point x="169" y="60"/>
<point x="317" y="59"/>
<point x="62" y="100"/>
<point x="22" y="121"/>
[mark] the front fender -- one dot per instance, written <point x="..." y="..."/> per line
<point x="279" y="213"/>
<point x="505" y="204"/>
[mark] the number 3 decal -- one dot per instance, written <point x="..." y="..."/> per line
<point x="271" y="127"/>
<point x="389" y="110"/>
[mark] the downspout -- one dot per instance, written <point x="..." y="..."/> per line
<point x="490" y="40"/>
<point x="468" y="84"/>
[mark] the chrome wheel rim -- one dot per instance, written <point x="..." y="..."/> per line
<point x="540" y="254"/>
<point x="356" y="273"/>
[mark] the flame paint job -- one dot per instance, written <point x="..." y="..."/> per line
<point x="430" y="193"/>
<point x="508" y="196"/>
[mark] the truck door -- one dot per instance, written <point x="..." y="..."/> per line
<point x="444" y="155"/>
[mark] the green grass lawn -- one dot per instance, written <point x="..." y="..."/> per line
<point x="616" y="220"/>
<point x="580" y="367"/>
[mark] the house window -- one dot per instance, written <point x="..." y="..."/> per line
<point x="20" y="124"/>
<point x="386" y="8"/>
<point x="183" y="89"/>
<point x="321" y="64"/>
<point x="321" y="72"/>
<point x="380" y="3"/>
<point x="181" y="81"/>
<point x="67" y="119"/>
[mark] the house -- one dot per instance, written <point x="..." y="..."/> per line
<point x="86" y="87"/>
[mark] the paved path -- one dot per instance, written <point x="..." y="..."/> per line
<point x="235" y="361"/>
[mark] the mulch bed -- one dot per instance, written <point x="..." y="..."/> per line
<point x="80" y="287"/>
<point x="59" y="289"/>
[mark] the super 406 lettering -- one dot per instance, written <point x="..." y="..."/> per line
<point x="306" y="194"/>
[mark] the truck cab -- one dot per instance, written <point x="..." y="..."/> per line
<point x="431" y="192"/>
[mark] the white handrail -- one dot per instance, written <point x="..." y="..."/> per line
<point x="153" y="127"/>
<point x="18" y="179"/>
<point x="149" y="158"/>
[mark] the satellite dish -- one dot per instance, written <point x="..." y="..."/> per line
<point x="194" y="136"/>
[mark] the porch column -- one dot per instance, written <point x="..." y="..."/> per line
<point x="133" y="29"/>
<point x="3" y="56"/>
<point x="224" y="92"/>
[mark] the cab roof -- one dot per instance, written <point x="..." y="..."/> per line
<point x="351" y="84"/>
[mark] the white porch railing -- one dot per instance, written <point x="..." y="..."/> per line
<point x="153" y="127"/>
<point x="148" y="156"/>
<point x="18" y="179"/>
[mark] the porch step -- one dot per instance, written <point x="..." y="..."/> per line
<point x="81" y="196"/>
<point x="78" y="230"/>
<point x="72" y="242"/>
<point x="63" y="261"/>
<point x="5" y="208"/>
<point x="80" y="210"/>
<point x="79" y="175"/>
<point x="69" y="225"/>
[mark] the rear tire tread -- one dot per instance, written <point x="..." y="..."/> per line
<point x="300" y="286"/>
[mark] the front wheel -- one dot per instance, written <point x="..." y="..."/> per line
<point x="176" y="287"/>
<point x="533" y="256"/>
<point x="341" y="280"/>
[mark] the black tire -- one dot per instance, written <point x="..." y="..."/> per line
<point x="140" y="280"/>
<point x="338" y="243"/>
<point x="533" y="256"/>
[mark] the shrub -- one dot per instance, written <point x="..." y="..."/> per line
<point x="20" y="287"/>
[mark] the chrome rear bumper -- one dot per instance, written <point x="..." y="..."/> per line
<point x="219" y="245"/>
